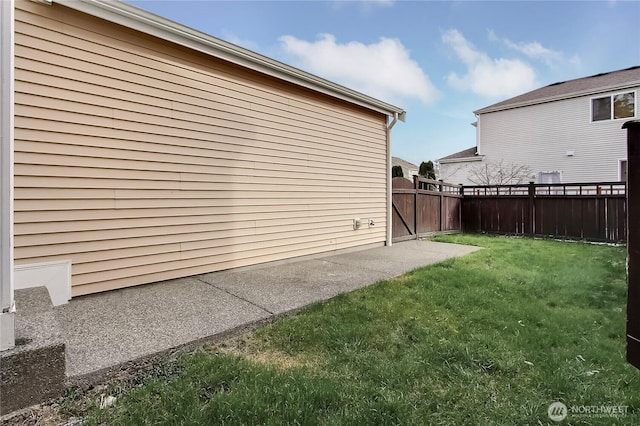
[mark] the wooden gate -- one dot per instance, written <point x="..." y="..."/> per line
<point x="424" y="207"/>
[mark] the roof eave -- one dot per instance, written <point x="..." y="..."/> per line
<point x="138" y="19"/>
<point x="461" y="159"/>
<point x="401" y="162"/>
<point x="578" y="94"/>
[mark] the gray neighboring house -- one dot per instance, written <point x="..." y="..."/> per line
<point x="455" y="168"/>
<point x="409" y="170"/>
<point x="564" y="132"/>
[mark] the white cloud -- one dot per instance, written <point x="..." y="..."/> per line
<point x="383" y="70"/>
<point x="535" y="50"/>
<point x="492" y="35"/>
<point x="486" y="76"/>
<point x="575" y="60"/>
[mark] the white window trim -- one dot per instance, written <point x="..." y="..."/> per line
<point x="611" y="95"/>
<point x="620" y="160"/>
<point x="558" y="172"/>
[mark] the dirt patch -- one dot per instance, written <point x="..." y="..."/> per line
<point x="42" y="414"/>
<point x="255" y="350"/>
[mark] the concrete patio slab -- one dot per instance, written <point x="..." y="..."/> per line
<point x="294" y="285"/>
<point x="403" y="257"/>
<point x="106" y="330"/>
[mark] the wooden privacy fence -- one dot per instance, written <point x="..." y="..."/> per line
<point x="590" y="211"/>
<point x="424" y="207"/>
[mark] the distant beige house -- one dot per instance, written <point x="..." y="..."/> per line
<point x="564" y="132"/>
<point x="145" y="150"/>
<point x="409" y="170"/>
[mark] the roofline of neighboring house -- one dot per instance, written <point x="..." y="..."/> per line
<point x="577" y="94"/>
<point x="403" y="162"/>
<point x="149" y="23"/>
<point x="470" y="154"/>
<point x="462" y="159"/>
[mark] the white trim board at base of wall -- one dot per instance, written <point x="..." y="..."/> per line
<point x="56" y="276"/>
<point x="7" y="330"/>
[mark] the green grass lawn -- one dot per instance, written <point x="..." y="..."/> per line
<point x="490" y="338"/>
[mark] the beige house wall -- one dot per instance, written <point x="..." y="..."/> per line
<point x="139" y="160"/>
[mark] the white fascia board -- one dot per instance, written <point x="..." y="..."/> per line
<point x="140" y="20"/>
<point x="462" y="160"/>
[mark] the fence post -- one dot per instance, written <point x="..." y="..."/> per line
<point x="416" y="186"/>
<point x="633" y="242"/>
<point x="441" y="199"/>
<point x="532" y="208"/>
<point x="460" y="224"/>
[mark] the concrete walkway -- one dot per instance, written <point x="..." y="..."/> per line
<point x="105" y="331"/>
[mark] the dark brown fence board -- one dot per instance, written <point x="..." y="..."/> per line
<point x="403" y="218"/>
<point x="504" y="215"/>
<point x="590" y="227"/>
<point x="591" y="211"/>
<point x="424" y="207"/>
<point x="619" y="217"/>
<point x="591" y="218"/>
<point x="428" y="213"/>
<point x="401" y="183"/>
<point x="470" y="215"/>
<point x="451" y="213"/>
<point x="576" y="215"/>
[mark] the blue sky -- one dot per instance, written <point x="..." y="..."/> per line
<point x="438" y="60"/>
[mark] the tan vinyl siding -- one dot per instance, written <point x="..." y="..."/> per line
<point x="140" y="160"/>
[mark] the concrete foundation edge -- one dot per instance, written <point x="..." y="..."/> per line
<point x="34" y="371"/>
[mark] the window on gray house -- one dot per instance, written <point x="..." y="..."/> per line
<point x="624" y="105"/>
<point x="621" y="105"/>
<point x="550" y="177"/>
<point x="601" y="109"/>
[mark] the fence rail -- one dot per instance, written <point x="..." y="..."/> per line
<point x="560" y="189"/>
